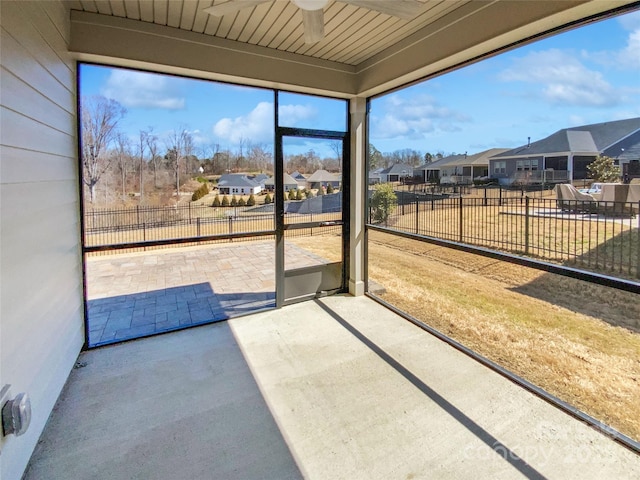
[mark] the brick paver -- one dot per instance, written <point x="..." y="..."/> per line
<point x="132" y="295"/>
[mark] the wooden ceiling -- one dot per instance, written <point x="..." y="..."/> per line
<point x="352" y="34"/>
<point x="363" y="52"/>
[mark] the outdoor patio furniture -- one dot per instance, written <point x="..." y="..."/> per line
<point x="619" y="199"/>
<point x="571" y="200"/>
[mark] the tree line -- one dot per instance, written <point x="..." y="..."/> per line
<point x="151" y="168"/>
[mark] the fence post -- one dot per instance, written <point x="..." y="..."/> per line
<point x="198" y="226"/>
<point x="417" y="210"/>
<point x="189" y="213"/>
<point x="402" y="200"/>
<point x="144" y="231"/>
<point x="500" y="197"/>
<point x="526" y="226"/>
<point x="230" y="225"/>
<point x="138" y="214"/>
<point x="485" y="196"/>
<point x="460" y="220"/>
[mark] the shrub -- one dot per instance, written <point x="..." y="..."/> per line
<point x="216" y="201"/>
<point x="309" y="194"/>
<point x="383" y="201"/>
<point x="329" y="188"/>
<point x="241" y="202"/>
<point x="200" y="192"/>
<point x="234" y="201"/>
<point x="225" y="201"/>
<point x="320" y="190"/>
<point x="268" y="199"/>
<point x="252" y="201"/>
<point x="292" y="195"/>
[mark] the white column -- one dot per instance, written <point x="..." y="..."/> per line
<point x="357" y="195"/>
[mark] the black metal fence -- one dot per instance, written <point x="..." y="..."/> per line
<point x="597" y="236"/>
<point x="146" y="224"/>
<point x="116" y="227"/>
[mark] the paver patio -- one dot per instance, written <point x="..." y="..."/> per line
<point x="138" y="294"/>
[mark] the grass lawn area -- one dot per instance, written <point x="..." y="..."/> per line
<point x="578" y="341"/>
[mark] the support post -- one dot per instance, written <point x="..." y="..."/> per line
<point x="357" y="195"/>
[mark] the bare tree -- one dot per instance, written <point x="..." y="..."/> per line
<point x="179" y="147"/>
<point x="152" y="145"/>
<point x="141" y="146"/>
<point x="99" y="119"/>
<point x="122" y="155"/>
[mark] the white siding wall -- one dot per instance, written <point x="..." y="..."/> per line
<point x="41" y="318"/>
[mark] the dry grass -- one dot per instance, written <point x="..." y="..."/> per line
<point x="573" y="339"/>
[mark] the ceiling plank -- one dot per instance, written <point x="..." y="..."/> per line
<point x="389" y="34"/>
<point x="189" y="10"/>
<point x="117" y="8"/>
<point x="285" y="17"/>
<point x="160" y="10"/>
<point x="244" y="18"/>
<point x="146" y="10"/>
<point x="89" y="6"/>
<point x="200" y="22"/>
<point x="104" y="7"/>
<point x="174" y="13"/>
<point x="258" y="20"/>
<point x="132" y="9"/>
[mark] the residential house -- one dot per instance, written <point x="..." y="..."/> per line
<point x="300" y="178"/>
<point x="458" y="169"/>
<point x="238" y="184"/>
<point x="322" y="178"/>
<point x="289" y="184"/>
<point x="564" y="155"/>
<point x="396" y="173"/>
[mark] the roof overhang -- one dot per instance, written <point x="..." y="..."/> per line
<point x="475" y="30"/>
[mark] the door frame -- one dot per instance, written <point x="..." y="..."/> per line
<point x="281" y="227"/>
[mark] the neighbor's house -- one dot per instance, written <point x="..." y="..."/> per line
<point x="457" y="169"/>
<point x="564" y="155"/>
<point x="322" y="178"/>
<point x="301" y="179"/>
<point x="374" y="176"/>
<point x="289" y="184"/>
<point x="396" y="172"/>
<point x="260" y="179"/>
<point x="238" y="184"/>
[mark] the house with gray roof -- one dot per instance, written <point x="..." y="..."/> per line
<point x="289" y="183"/>
<point x="238" y="184"/>
<point x="322" y="178"/>
<point x="396" y="172"/>
<point x="458" y="169"/>
<point x="564" y="155"/>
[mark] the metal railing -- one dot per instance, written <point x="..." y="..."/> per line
<point x="597" y="236"/>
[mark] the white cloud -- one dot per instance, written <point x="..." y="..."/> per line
<point x="291" y="115"/>
<point x="563" y="79"/>
<point x="414" y="118"/>
<point x="256" y="126"/>
<point x="143" y="90"/>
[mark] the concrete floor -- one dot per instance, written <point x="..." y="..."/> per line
<point x="338" y="388"/>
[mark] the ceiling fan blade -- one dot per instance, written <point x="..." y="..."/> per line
<point x="313" y="21"/>
<point x="406" y="9"/>
<point x="231" y="6"/>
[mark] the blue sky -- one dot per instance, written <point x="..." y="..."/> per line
<point x="587" y="75"/>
